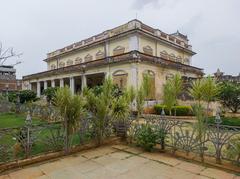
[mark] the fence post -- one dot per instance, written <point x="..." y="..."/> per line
<point x="28" y="123"/>
<point x="218" y="121"/>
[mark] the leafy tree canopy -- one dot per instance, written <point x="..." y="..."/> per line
<point x="229" y="95"/>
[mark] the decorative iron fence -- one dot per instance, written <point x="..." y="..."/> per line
<point x="215" y="140"/>
<point x="31" y="140"/>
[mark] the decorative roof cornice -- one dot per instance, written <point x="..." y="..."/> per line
<point x="131" y="26"/>
<point x="130" y="57"/>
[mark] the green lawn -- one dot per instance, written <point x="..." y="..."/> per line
<point x="8" y="120"/>
<point x="230" y="121"/>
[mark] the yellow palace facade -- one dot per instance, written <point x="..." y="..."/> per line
<point x="124" y="53"/>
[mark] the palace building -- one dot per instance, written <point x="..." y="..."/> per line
<point x="124" y="53"/>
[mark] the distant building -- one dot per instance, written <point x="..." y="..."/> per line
<point x="219" y="76"/>
<point x="8" y="81"/>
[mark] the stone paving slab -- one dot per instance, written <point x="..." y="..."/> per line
<point x="161" y="157"/>
<point x="191" y="167"/>
<point x="118" y="162"/>
<point x="216" y="173"/>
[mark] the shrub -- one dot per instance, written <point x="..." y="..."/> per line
<point x="50" y="93"/>
<point x="146" y="137"/>
<point x="27" y="95"/>
<point x="180" y="110"/>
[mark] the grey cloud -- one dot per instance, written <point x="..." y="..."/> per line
<point x="40" y="26"/>
<point x="139" y="4"/>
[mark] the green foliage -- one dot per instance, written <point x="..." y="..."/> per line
<point x="101" y="108"/>
<point x="146" y="85"/>
<point x="229" y="95"/>
<point x="140" y="100"/>
<point x="180" y="110"/>
<point x="8" y="120"/>
<point x="205" y="89"/>
<point x="146" y="137"/>
<point x="12" y="97"/>
<point x="50" y="93"/>
<point x="120" y="107"/>
<point x="210" y="89"/>
<point x="230" y="121"/>
<point x="171" y="91"/>
<point x="71" y="108"/>
<point x="196" y="90"/>
<point x="27" y="96"/>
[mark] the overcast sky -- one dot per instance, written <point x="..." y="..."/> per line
<point x="36" y="27"/>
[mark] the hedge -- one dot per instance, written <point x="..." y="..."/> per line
<point x="180" y="110"/>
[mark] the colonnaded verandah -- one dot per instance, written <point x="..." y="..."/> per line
<point x="125" y="53"/>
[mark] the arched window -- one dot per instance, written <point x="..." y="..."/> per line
<point x="88" y="58"/>
<point x="78" y="60"/>
<point x="69" y="62"/>
<point x="187" y="61"/>
<point x="152" y="88"/>
<point x="120" y="78"/>
<point x="148" y="50"/>
<point x="99" y="55"/>
<point x="53" y="66"/>
<point x="179" y="59"/>
<point x="61" y="64"/>
<point x="169" y="76"/>
<point x="164" y="54"/>
<point x="172" y="57"/>
<point x="118" y="50"/>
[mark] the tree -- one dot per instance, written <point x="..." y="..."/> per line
<point x="27" y="96"/>
<point x="229" y="95"/>
<point x="71" y="108"/>
<point x="50" y="93"/>
<point x="6" y="54"/>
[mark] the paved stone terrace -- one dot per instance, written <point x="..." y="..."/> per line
<point x="120" y="162"/>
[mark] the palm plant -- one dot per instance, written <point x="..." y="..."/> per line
<point x="211" y="90"/>
<point x="131" y="95"/>
<point x="100" y="107"/>
<point x="146" y="85"/>
<point x="168" y="98"/>
<point x="121" y="113"/>
<point x="196" y="90"/>
<point x="172" y="89"/>
<point x="71" y="108"/>
<point x="140" y="100"/>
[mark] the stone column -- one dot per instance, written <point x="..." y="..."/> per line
<point x="38" y="89"/>
<point x="45" y="85"/>
<point x="72" y="85"/>
<point x="134" y="76"/>
<point x="61" y="83"/>
<point x="84" y="81"/>
<point x="107" y="74"/>
<point x="53" y="83"/>
<point x="30" y="86"/>
<point x="134" y="82"/>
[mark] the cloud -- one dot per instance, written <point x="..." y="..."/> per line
<point x="139" y="4"/>
<point x="41" y="26"/>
